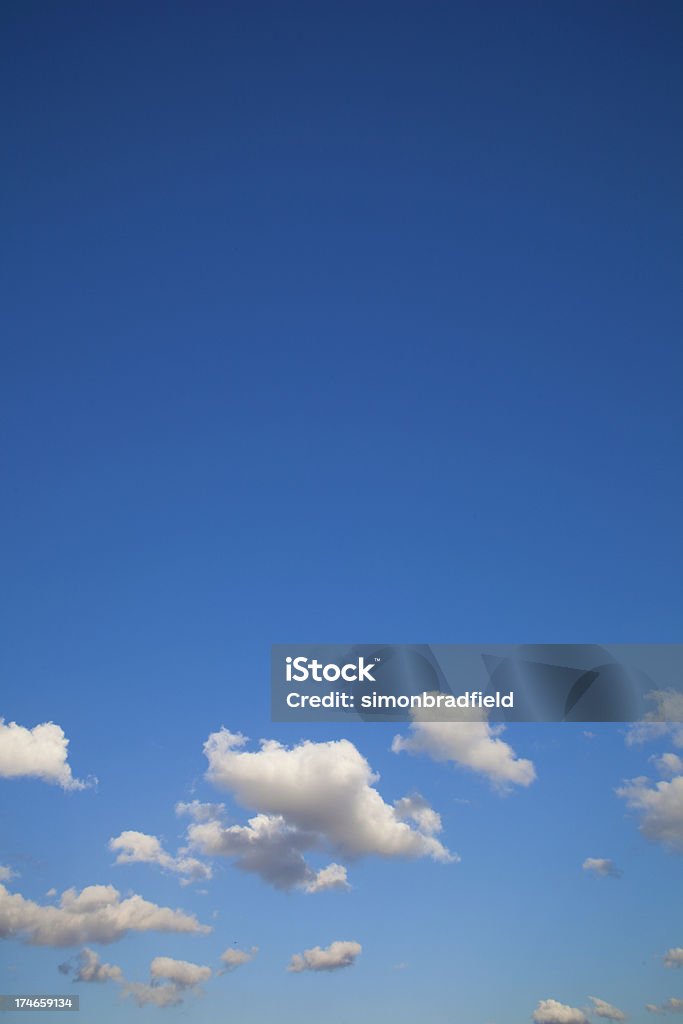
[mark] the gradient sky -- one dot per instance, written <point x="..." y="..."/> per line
<point x="344" y="322"/>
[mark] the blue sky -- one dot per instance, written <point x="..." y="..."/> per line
<point x="346" y="323"/>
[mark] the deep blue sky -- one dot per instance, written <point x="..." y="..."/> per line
<point x="332" y="322"/>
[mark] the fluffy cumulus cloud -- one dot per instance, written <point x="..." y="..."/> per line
<point x="674" y="957"/>
<point x="331" y="958"/>
<point x="600" y="1008"/>
<point x="234" y="958"/>
<point x="602" y="867"/>
<point x="661" y="808"/>
<point x="139" y="848"/>
<point x="549" y="1011"/>
<point x="95" y="914"/>
<point x="180" y="972"/>
<point x="665" y="720"/>
<point x="468" y="740"/>
<point x="88" y="967"/>
<point x="310" y="796"/>
<point x="37" y="753"/>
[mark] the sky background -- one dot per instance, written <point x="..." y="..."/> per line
<point x="340" y="322"/>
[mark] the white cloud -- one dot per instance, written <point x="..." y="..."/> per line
<point x="38" y="753"/>
<point x="154" y="995"/>
<point x="308" y="796"/>
<point x="270" y="848"/>
<point x="331" y="958"/>
<point x="141" y="848"/>
<point x="88" y="967"/>
<point x="6" y="874"/>
<point x="661" y="808"/>
<point x="668" y="764"/>
<point x="234" y="958"/>
<point x="549" y="1011"/>
<point x="469" y="740"/>
<point x="602" y="867"/>
<point x="199" y="811"/>
<point x="674" y="957"/>
<point x="665" y="720"/>
<point x="180" y="972"/>
<point x="415" y="808"/>
<point x="96" y="914"/>
<point x="170" y="979"/>
<point x="605" y="1010"/>
<point x="670" y="1006"/>
<point x="324" y="789"/>
<point x="331" y="877"/>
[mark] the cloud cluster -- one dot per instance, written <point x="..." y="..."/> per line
<point x="661" y="808"/>
<point x="468" y="740"/>
<point x="331" y="958"/>
<point x="140" y="848"/>
<point x="95" y="914"/>
<point x="170" y="979"/>
<point x="234" y="958"/>
<point x="602" y="867"/>
<point x="37" y="753"/>
<point x="309" y="796"/>
<point x="549" y="1011"/>
<point x="6" y="873"/>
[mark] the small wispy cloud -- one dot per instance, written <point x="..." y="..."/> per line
<point x="233" y="958"/>
<point x="602" y="867"/>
